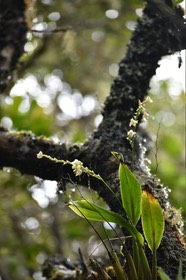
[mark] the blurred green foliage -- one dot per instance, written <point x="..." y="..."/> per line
<point x="63" y="80"/>
<point x="167" y="128"/>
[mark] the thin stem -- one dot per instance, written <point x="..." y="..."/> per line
<point x="154" y="265"/>
<point x="132" y="145"/>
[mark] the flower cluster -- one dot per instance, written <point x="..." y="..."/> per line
<point x="134" y="121"/>
<point x="77" y="167"/>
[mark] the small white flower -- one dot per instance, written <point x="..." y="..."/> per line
<point x="145" y="115"/>
<point x="77" y="167"/>
<point x="141" y="106"/>
<point x="131" y="134"/>
<point x="148" y="100"/>
<point x="133" y="122"/>
<point x="40" y="155"/>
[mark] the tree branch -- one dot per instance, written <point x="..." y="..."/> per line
<point x="19" y="150"/>
<point x="13" y="30"/>
<point x="155" y="36"/>
<point x="159" y="32"/>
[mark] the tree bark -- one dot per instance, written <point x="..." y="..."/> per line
<point x="13" y="29"/>
<point x="159" y="32"/>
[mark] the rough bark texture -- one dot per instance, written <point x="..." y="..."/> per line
<point x="159" y="32"/>
<point x="13" y="30"/>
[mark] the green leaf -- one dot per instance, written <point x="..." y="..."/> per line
<point x="132" y="268"/>
<point x="162" y="274"/>
<point x="180" y="272"/>
<point x="152" y="220"/>
<point x="144" y="268"/>
<point x="119" y="271"/>
<point x="176" y="2"/>
<point x="141" y="262"/>
<point x="91" y="211"/>
<point x="130" y="193"/>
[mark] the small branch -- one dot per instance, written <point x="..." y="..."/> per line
<point x="58" y="29"/>
<point x="19" y="150"/>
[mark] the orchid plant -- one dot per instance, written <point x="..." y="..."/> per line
<point x="137" y="205"/>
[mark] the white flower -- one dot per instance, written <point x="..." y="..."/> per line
<point x="130" y="134"/>
<point x="141" y="107"/>
<point x="133" y="122"/>
<point x="77" y="167"/>
<point x="40" y="155"/>
<point x="148" y="100"/>
<point x="145" y="115"/>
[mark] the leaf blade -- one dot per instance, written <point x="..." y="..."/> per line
<point x="91" y="211"/>
<point x="152" y="220"/>
<point x="162" y="274"/>
<point x="130" y="193"/>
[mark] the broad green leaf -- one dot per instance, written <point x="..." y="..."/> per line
<point x="152" y="220"/>
<point x="91" y="211"/>
<point x="130" y="193"/>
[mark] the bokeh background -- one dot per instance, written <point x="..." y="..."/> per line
<point x="62" y="81"/>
